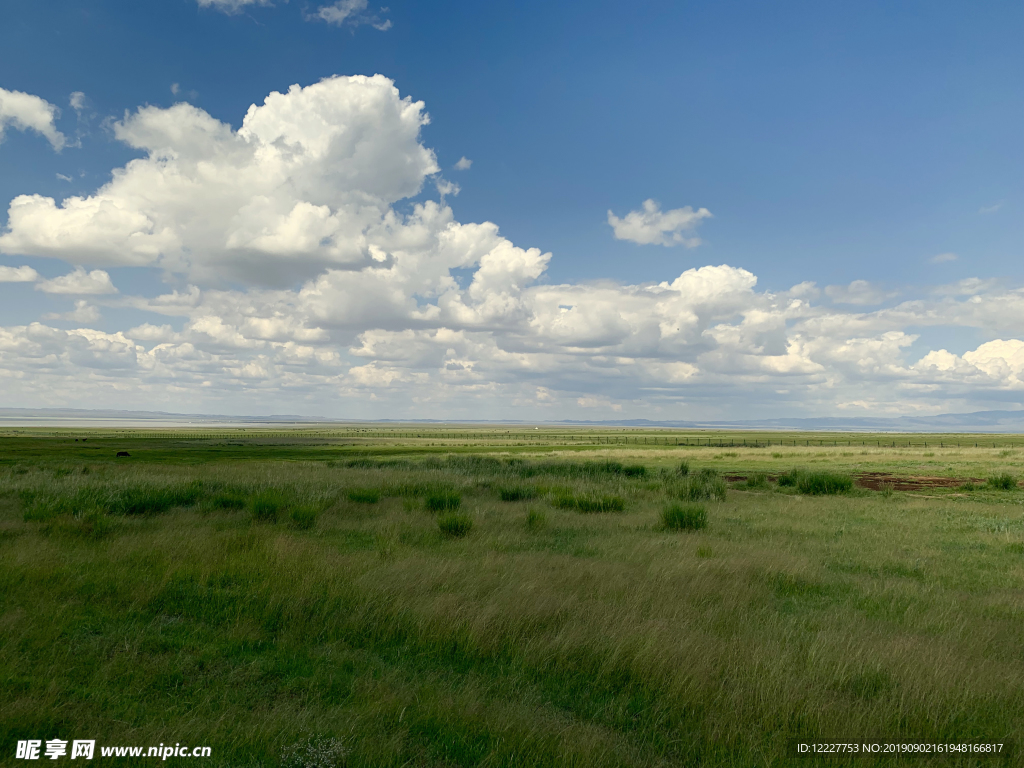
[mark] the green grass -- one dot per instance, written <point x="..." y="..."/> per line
<point x="757" y="481"/>
<point x="443" y="501"/>
<point x="823" y="483"/>
<point x="229" y="499"/>
<point x="588" y="502"/>
<point x="816" y="483"/>
<point x="684" y="517"/>
<point x="454" y="524"/>
<point x="702" y="486"/>
<point x="536" y="519"/>
<point x="517" y="493"/>
<point x="364" y="495"/>
<point x="303" y="517"/>
<point x="266" y="505"/>
<point x="153" y="600"/>
<point x="1003" y="482"/>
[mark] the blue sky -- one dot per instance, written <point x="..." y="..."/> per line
<point x="830" y="143"/>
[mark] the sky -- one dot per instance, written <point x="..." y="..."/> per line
<point x="535" y="211"/>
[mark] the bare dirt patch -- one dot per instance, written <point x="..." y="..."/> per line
<point x="876" y="480"/>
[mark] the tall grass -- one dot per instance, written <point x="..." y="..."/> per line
<point x="443" y="501"/>
<point x="375" y="638"/>
<point x="703" y="486"/>
<point x="266" y="505"/>
<point x="824" y="483"/>
<point x="757" y="481"/>
<point x="588" y="502"/>
<point x="819" y="483"/>
<point x="684" y="517"/>
<point x="517" y="493"/>
<point x="364" y="495"/>
<point x="127" y="499"/>
<point x="454" y="524"/>
<point x="1003" y="482"/>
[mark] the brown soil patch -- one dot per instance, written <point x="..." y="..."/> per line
<point x="875" y="481"/>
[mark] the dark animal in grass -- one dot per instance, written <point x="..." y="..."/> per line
<point x="125" y="454"/>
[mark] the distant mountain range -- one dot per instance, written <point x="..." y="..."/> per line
<point x="979" y="421"/>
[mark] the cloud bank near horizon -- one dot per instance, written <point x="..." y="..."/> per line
<point x="311" y="274"/>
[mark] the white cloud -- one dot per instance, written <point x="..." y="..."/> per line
<point x="597" y="402"/>
<point x="985" y="209"/>
<point x="18" y="275"/>
<point x="175" y="88"/>
<point x="79" y="282"/>
<point x="231" y="6"/>
<point x="445" y="188"/>
<point x="84" y="312"/>
<point x="306" y="183"/>
<point x="77" y="101"/>
<point x="858" y="292"/>
<point x="352" y="13"/>
<point x="652" y="226"/>
<point x="348" y="299"/>
<point x="25" y="112"/>
<point x="943" y="258"/>
<point x="464" y="164"/>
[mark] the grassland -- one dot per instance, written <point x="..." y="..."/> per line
<point x="484" y="597"/>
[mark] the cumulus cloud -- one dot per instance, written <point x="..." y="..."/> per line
<point x="26" y="112"/>
<point x="77" y="101"/>
<point x="79" y="282"/>
<point x="858" y="292"/>
<point x="464" y="164"/>
<point x="84" y="312"/>
<point x="18" y="275"/>
<point x="299" y="280"/>
<point x="306" y="183"/>
<point x="652" y="226"/>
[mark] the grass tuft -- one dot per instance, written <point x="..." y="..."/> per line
<point x="229" y="498"/>
<point x="517" y="493"/>
<point x="684" y="517"/>
<point x="816" y="483"/>
<point x="756" y="481"/>
<point x="1003" y="482"/>
<point x="303" y="517"/>
<point x="703" y="486"/>
<point x="443" y="501"/>
<point x="364" y="495"/>
<point x="588" y="502"/>
<point x="266" y="505"/>
<point x="824" y="483"/>
<point x="535" y="519"/>
<point x="454" y="524"/>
